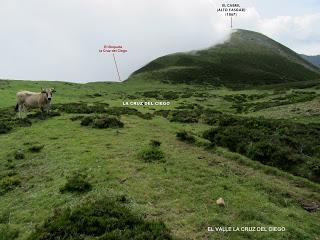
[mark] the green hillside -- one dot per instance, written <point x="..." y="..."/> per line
<point x="95" y="169"/>
<point x="247" y="59"/>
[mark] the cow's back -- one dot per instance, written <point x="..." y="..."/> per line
<point x="29" y="99"/>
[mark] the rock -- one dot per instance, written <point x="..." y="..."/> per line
<point x="309" y="206"/>
<point x="220" y="202"/>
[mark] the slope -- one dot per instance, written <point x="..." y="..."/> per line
<point x="180" y="191"/>
<point x="248" y="58"/>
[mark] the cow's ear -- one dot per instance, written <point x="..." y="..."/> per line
<point x="43" y="90"/>
<point x="53" y="90"/>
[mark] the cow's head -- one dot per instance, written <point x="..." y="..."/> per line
<point x="48" y="92"/>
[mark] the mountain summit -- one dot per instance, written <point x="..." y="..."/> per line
<point x="248" y="58"/>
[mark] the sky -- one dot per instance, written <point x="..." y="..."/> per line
<point x="60" y="40"/>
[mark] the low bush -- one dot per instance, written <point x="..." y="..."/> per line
<point x="76" y="118"/>
<point x="289" y="146"/>
<point x="199" y="113"/>
<point x="285" y="99"/>
<point x="185" y="116"/>
<point x="9" y="183"/>
<point x="95" y="95"/>
<point x="18" y="155"/>
<point x="190" y="106"/>
<point x="7" y="232"/>
<point x="77" y="182"/>
<point x="118" y="111"/>
<point x="4" y="217"/>
<point x="81" y="107"/>
<point x="104" y="219"/>
<point x="107" y="122"/>
<point x="36" y="148"/>
<point x="150" y="94"/>
<point x="9" y="120"/>
<point x="43" y="115"/>
<point x="155" y="143"/>
<point x="102" y="122"/>
<point x="152" y="154"/>
<point x="86" y="121"/>
<point x="185" y="137"/>
<point x="170" y="95"/>
<point x="5" y="128"/>
<point x="23" y="122"/>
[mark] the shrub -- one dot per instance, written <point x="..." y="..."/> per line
<point x="23" y="122"/>
<point x="5" y="217"/>
<point x="170" y="95"/>
<point x="185" y="137"/>
<point x="107" y="122"/>
<point x="150" y="94"/>
<point x="5" y="128"/>
<point x="118" y="111"/>
<point x="152" y="154"/>
<point x="184" y="116"/>
<point x="77" y="182"/>
<point x="81" y="107"/>
<point x="103" y="219"/>
<point x="146" y="116"/>
<point x="94" y="95"/>
<point x="43" y="115"/>
<point x="155" y="143"/>
<point x="315" y="166"/>
<point x="76" y="118"/>
<point x="19" y="155"/>
<point x="8" y="232"/>
<point x="283" y="144"/>
<point x="102" y="122"/>
<point x="36" y="148"/>
<point x="86" y="121"/>
<point x="9" y="183"/>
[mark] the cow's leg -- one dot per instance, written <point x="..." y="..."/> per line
<point x="23" y="110"/>
<point x="20" y="108"/>
<point x="47" y="109"/>
<point x="42" y="111"/>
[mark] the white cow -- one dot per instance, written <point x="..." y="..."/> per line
<point x="41" y="100"/>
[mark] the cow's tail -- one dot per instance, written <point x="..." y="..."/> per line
<point x="17" y="107"/>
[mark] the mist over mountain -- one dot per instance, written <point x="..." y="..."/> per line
<point x="248" y="58"/>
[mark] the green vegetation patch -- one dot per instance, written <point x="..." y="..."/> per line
<point x="18" y="155"/>
<point x="152" y="153"/>
<point x="103" y="219"/>
<point x="185" y="137"/>
<point x="36" y="148"/>
<point x="291" y="98"/>
<point x="289" y="146"/>
<point x="9" y="183"/>
<point x="81" y="107"/>
<point x="7" y="232"/>
<point x="4" y="127"/>
<point x="77" y="182"/>
<point x="102" y="122"/>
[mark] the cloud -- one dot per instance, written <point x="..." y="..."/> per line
<point x="299" y="33"/>
<point x="59" y="40"/>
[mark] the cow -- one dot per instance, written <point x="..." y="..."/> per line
<point x="41" y="100"/>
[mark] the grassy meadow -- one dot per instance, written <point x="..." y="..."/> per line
<point x="174" y="181"/>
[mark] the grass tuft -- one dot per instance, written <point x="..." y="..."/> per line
<point x="102" y="219"/>
<point x="77" y="182"/>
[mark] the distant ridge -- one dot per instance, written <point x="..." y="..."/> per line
<point x="315" y="60"/>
